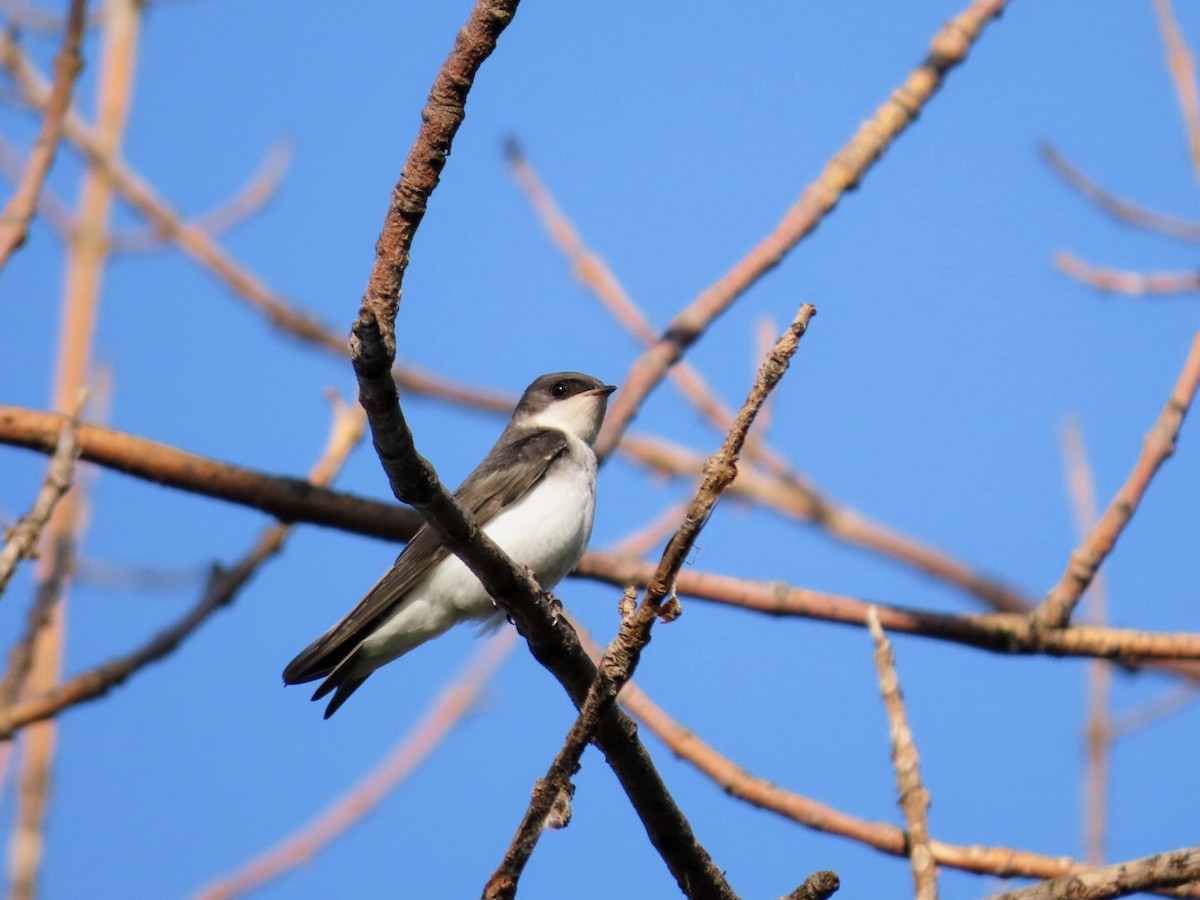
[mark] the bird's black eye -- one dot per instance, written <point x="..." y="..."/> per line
<point x="559" y="389"/>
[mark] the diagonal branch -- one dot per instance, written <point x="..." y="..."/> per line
<point x="621" y="658"/>
<point x="1163" y="870"/>
<point x="413" y="479"/>
<point x="450" y="707"/>
<point x="1098" y="731"/>
<point x="914" y="796"/>
<point x="1122" y="210"/>
<point x="846" y="170"/>
<point x="223" y="585"/>
<point x="1183" y="72"/>
<point x="18" y="213"/>
<point x="23" y="538"/>
<point x="1055" y="610"/>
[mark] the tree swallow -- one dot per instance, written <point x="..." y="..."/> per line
<point x="534" y="495"/>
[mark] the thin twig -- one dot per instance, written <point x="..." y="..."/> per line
<point x="51" y="206"/>
<point x="1122" y="282"/>
<point x="23" y="538"/>
<point x="1171" y="701"/>
<point x="444" y="713"/>
<point x="1183" y="73"/>
<point x="222" y="587"/>
<point x="1163" y="870"/>
<point x="1122" y="210"/>
<point x="412" y="479"/>
<point x="251" y="197"/>
<point x="914" y="796"/>
<point x="845" y="170"/>
<point x="622" y="655"/>
<point x="18" y="213"/>
<point x="732" y="779"/>
<point x="1085" y="561"/>
<point x="1097" y="730"/>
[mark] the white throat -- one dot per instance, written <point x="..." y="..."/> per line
<point x="580" y="416"/>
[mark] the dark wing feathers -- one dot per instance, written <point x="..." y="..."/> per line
<point x="485" y="494"/>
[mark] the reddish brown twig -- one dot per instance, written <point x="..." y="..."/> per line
<point x="223" y="585"/>
<point x="1055" y="610"/>
<point x="996" y="632"/>
<point x="914" y="796"/>
<point x="18" y="213"/>
<point x="732" y="779"/>
<point x="445" y="712"/>
<point x="948" y="49"/>
<point x="51" y="206"/>
<point x="23" y="537"/>
<point x="1122" y="210"/>
<point x="622" y="655"/>
<point x="1163" y="870"/>
<point x="287" y="499"/>
<point x="1121" y="282"/>
<point x="1183" y="73"/>
<point x="1098" y="731"/>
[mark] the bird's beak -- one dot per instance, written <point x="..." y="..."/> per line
<point x="601" y="391"/>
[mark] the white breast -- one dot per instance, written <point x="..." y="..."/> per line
<point x="546" y="531"/>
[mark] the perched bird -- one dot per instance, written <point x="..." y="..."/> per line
<point x="533" y="494"/>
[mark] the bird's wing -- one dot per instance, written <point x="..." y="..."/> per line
<point x="485" y="495"/>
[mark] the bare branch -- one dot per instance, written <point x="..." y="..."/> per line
<point x="1183" y="73"/>
<point x="1098" y="731"/>
<point x="1163" y="870"/>
<point x="914" y="796"/>
<point x="18" y="213"/>
<point x="223" y="585"/>
<point x="23" y="538"/>
<point x="1122" y="210"/>
<point x="1055" y="610"/>
<point x="1136" y="283"/>
<point x="445" y="712"/>
<point x="997" y="632"/>
<point x="287" y="499"/>
<point x="52" y="207"/>
<point x="849" y="165"/>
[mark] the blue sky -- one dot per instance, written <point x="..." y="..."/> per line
<point x="929" y="394"/>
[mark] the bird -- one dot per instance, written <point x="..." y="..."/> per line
<point x="534" y="494"/>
